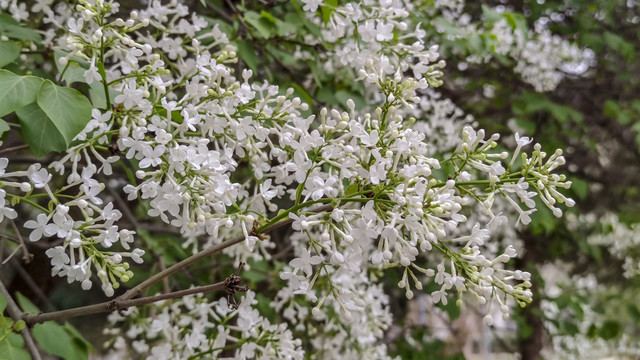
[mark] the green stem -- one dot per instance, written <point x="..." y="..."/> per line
<point x="104" y="74"/>
<point x="285" y="214"/>
<point x="30" y="203"/>
<point x="479" y="182"/>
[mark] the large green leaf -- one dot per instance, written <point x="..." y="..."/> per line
<point x="11" y="348"/>
<point x="55" y="339"/>
<point x="9" y="51"/>
<point x="78" y="339"/>
<point x="68" y="109"/>
<point x="17" y="91"/>
<point x="13" y="29"/>
<point x="63" y="341"/>
<point x="39" y="132"/>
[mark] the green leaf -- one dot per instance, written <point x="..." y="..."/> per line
<point x="3" y="304"/>
<point x="17" y="91"/>
<point x="580" y="187"/>
<point x="542" y="221"/>
<point x="610" y="108"/>
<point x="268" y="16"/>
<point x="619" y="44"/>
<point x="634" y="311"/>
<point x="39" y="132"/>
<point x="13" y="29"/>
<point x="565" y="113"/>
<point x="74" y="72"/>
<point x="11" y="348"/>
<point x="253" y="276"/>
<point x="490" y="14"/>
<point x="609" y="330"/>
<point x="313" y="28"/>
<point x="527" y="125"/>
<point x="569" y="328"/>
<point x="517" y="22"/>
<point x="301" y="92"/>
<point x="54" y="339"/>
<point x="26" y="305"/>
<point x="451" y="309"/>
<point x="247" y="53"/>
<point x="68" y="109"/>
<point x="4" y="127"/>
<point x="285" y="27"/>
<point x="9" y="51"/>
<point x="265" y="27"/>
<point x="342" y="96"/>
<point x="96" y="94"/>
<point x="79" y="340"/>
<point x="328" y="8"/>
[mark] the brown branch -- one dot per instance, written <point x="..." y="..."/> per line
<point x="14" y="148"/>
<point x="16" y="314"/>
<point x="119" y="304"/>
<point x="231" y="284"/>
<point x="136" y="290"/>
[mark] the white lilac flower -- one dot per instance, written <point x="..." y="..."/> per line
<point x="265" y="190"/>
<point x="92" y="74"/>
<point x="38" y="226"/>
<point x="38" y="176"/>
<point x="305" y="261"/>
<point x="60" y="227"/>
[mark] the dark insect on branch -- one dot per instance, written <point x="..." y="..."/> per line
<point x="232" y="285"/>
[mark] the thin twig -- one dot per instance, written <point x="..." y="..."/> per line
<point x="136" y="290"/>
<point x="221" y="13"/>
<point x="26" y="256"/>
<point x="14" y="148"/>
<point x="118" y="304"/>
<point x="125" y="300"/>
<point x="16" y="314"/>
<point x="11" y="255"/>
<point x="239" y="15"/>
<point x="10" y="237"/>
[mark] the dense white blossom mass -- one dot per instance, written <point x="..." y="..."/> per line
<point x="219" y="154"/>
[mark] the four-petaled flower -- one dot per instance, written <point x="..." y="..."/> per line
<point x="305" y="261"/>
